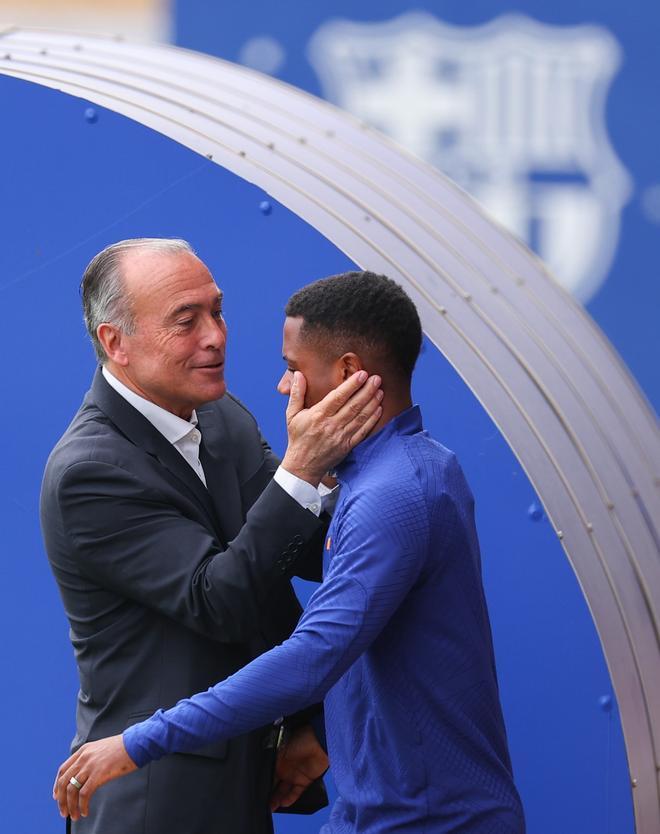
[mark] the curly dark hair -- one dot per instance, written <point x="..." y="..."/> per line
<point x="360" y="310"/>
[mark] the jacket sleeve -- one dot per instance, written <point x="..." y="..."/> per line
<point x="375" y="563"/>
<point x="128" y="539"/>
<point x="309" y="565"/>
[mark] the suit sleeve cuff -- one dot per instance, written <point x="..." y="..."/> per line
<point x="302" y="492"/>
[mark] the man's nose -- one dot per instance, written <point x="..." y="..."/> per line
<point x="284" y="385"/>
<point x="215" y="333"/>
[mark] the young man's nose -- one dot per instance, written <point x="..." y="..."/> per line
<point x="284" y="385"/>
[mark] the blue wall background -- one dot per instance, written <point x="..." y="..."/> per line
<point x="70" y="187"/>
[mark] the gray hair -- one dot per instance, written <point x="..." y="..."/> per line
<point x="104" y="297"/>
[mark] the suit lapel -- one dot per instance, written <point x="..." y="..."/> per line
<point x="220" y="471"/>
<point x="140" y="431"/>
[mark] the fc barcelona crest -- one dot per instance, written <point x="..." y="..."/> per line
<point x="513" y="111"/>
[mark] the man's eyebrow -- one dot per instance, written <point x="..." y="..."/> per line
<point x="186" y="308"/>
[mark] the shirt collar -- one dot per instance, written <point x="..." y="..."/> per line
<point x="407" y="422"/>
<point x="172" y="428"/>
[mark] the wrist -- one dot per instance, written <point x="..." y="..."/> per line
<point x="305" y="473"/>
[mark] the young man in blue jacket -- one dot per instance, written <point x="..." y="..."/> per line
<point x="396" y="640"/>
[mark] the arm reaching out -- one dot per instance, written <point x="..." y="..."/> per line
<point x="371" y="570"/>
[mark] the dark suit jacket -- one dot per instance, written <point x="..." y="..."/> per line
<point x="170" y="587"/>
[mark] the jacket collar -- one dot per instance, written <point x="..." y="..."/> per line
<point x="142" y="433"/>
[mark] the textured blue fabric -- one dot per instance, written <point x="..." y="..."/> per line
<point x="397" y="640"/>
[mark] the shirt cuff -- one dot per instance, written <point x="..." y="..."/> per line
<point x="329" y="498"/>
<point x="301" y="491"/>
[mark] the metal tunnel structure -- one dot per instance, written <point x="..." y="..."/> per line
<point x="538" y="364"/>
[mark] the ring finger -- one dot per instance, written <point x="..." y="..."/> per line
<point x="67" y="793"/>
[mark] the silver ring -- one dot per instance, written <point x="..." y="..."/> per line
<point x="76" y="784"/>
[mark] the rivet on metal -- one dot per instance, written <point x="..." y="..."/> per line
<point x="560" y="534"/>
<point x="271" y="146"/>
<point x="241" y="153"/>
<point x="91" y="115"/>
<point x="43" y="52"/>
<point x="494" y="289"/>
<point x="590" y="527"/>
<point x="610" y="505"/>
<point x="442" y="310"/>
<point x="520" y="281"/>
<point x="535" y="511"/>
<point x="302" y="140"/>
<point x="467" y="296"/>
<point x="209" y="156"/>
<point x="605" y="703"/>
<point x="634" y="783"/>
<point x="367" y="218"/>
<point x="7" y="56"/>
<point x="265" y="207"/>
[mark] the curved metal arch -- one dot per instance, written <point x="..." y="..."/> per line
<point x="546" y="375"/>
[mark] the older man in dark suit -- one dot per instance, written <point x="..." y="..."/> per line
<point x="173" y="533"/>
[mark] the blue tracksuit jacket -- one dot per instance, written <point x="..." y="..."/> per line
<point x="397" y="640"/>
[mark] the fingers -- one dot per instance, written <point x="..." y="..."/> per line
<point x="280" y="791"/>
<point x="358" y="408"/>
<point x="85" y="794"/>
<point x="73" y="795"/>
<point x="322" y="435"/>
<point x="285" y="794"/>
<point x="338" y="397"/>
<point x="92" y="766"/>
<point x="363" y="424"/>
<point x="62" y="789"/>
<point x="362" y="411"/>
<point x="296" y="395"/>
<point x="71" y="800"/>
<point x="294" y="794"/>
<point x="64" y="766"/>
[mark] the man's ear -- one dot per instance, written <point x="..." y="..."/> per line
<point x="350" y="364"/>
<point x="110" y="338"/>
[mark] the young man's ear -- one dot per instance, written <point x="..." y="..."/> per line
<point x="350" y="364"/>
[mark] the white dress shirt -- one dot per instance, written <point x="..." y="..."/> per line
<point x="186" y="437"/>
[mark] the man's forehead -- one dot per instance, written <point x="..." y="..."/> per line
<point x="292" y="326"/>
<point x="168" y="277"/>
<point x="291" y="333"/>
<point x="142" y="265"/>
